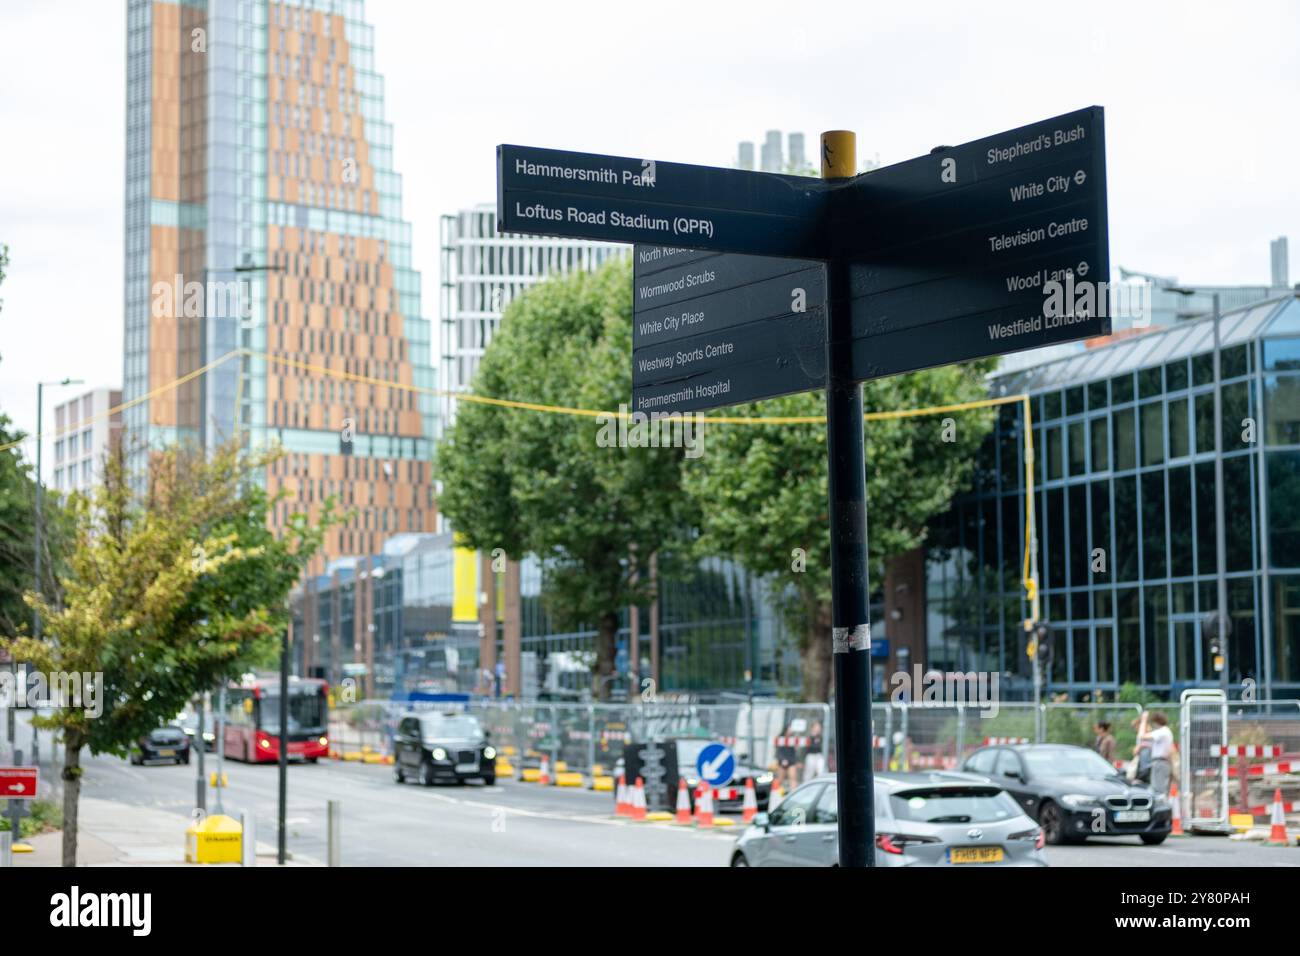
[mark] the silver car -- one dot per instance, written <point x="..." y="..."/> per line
<point x="922" y="819"/>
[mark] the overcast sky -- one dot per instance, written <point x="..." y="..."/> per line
<point x="1203" y="147"/>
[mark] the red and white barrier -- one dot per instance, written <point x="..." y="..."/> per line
<point x="1246" y="750"/>
<point x="1266" y="769"/>
<point x="994" y="741"/>
<point x="792" y="741"/>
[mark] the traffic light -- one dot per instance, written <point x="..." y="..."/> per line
<point x="1043" y="645"/>
<point x="1210" y="631"/>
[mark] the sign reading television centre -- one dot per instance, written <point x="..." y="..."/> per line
<point x="952" y="257"/>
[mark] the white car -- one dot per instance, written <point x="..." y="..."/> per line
<point x="922" y="819"/>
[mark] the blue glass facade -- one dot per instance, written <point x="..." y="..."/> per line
<point x="1124" y="436"/>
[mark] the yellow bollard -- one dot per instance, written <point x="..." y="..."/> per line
<point x="214" y="839"/>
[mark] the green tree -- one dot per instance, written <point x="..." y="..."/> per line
<point x="529" y="482"/>
<point x="18" y="524"/>
<point x="164" y="598"/>
<point x="762" y="491"/>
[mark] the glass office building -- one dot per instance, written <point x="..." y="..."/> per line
<point x="408" y="620"/>
<point x="263" y="212"/>
<point x="1125" y="501"/>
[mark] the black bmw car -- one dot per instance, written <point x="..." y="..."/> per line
<point x="168" y="744"/>
<point x="442" y="748"/>
<point x="1073" y="793"/>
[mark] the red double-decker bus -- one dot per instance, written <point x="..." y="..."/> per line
<point x="253" y="720"/>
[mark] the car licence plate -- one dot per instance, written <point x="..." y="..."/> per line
<point x="975" y="854"/>
<point x="1132" y="816"/>
<point x="467" y="768"/>
<point x="166" y="753"/>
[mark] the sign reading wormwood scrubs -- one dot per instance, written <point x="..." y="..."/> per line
<point x="981" y="249"/>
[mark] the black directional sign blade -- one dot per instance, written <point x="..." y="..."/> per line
<point x="699" y="316"/>
<point x="619" y="199"/>
<point x="968" y="252"/>
<point x="798" y="371"/>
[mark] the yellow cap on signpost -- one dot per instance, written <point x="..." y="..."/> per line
<point x="839" y="154"/>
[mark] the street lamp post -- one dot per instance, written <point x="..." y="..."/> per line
<point x="40" y="519"/>
<point x="1221" y="622"/>
<point x="282" y="810"/>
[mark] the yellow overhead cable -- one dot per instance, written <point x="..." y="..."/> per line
<point x="1029" y="572"/>
<point x="167" y="387"/>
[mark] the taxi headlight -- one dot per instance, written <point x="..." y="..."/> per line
<point x="763" y="778"/>
<point x="489" y="753"/>
<point x="439" y="753"/>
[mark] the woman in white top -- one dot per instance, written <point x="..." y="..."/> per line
<point x="1161" y="741"/>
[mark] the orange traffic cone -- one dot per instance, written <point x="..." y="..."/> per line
<point x="544" y="775"/>
<point x="638" y="800"/>
<point x="776" y="795"/>
<point x="749" y="806"/>
<point x="683" y="803"/>
<point x="704" y="809"/>
<point x="1177" y="802"/>
<point x="622" y="806"/>
<point x="1277" y="833"/>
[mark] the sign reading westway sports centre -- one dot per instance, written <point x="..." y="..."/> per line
<point x="975" y="250"/>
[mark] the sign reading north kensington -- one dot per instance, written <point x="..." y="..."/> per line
<point x="975" y="250"/>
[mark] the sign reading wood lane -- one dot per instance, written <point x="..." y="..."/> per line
<point x="959" y="252"/>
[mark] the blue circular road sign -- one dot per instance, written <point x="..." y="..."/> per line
<point x="716" y="765"/>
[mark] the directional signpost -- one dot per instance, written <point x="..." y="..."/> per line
<point x="751" y="285"/>
<point x="18" y="783"/>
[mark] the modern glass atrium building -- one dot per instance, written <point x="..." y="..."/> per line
<point x="1125" y="456"/>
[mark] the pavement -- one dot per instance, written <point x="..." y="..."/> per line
<point x="112" y="833"/>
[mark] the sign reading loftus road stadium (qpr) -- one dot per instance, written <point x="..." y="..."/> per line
<point x="553" y="192"/>
<point x="990" y="247"/>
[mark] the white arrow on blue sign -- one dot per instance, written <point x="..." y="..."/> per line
<point x="716" y="765"/>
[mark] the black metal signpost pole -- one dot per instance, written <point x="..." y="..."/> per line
<point x="751" y="285"/>
<point x="851" y="635"/>
<point x="281" y="852"/>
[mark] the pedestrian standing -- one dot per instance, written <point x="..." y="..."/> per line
<point x="814" y="764"/>
<point x="1161" y="740"/>
<point x="787" y="758"/>
<point x="1104" y="741"/>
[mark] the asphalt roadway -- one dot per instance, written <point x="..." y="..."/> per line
<point x="520" y="824"/>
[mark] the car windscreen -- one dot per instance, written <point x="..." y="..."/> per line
<point x="1066" y="762"/>
<point x="450" y="727"/>
<point x="953" y="805"/>
<point x="167" y="734"/>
